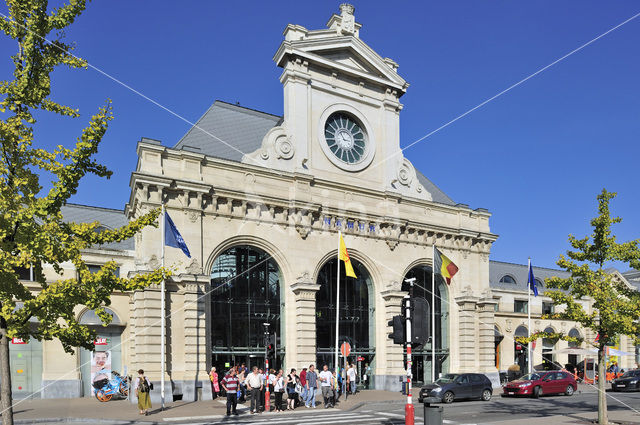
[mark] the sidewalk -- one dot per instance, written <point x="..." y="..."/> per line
<point x="91" y="410"/>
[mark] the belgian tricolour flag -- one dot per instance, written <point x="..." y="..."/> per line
<point x="444" y="266"/>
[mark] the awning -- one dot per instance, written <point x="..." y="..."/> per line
<point x="576" y="351"/>
<point x="614" y="352"/>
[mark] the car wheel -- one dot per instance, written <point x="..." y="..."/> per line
<point x="537" y="392"/>
<point x="486" y="395"/>
<point x="569" y="390"/>
<point x="448" y="397"/>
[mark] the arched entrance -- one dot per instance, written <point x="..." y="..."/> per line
<point x="422" y="357"/>
<point x="107" y="355"/>
<point x="245" y="294"/>
<point x="356" y="314"/>
<point x="573" y="358"/>
<point x="548" y="345"/>
<point x="497" y="339"/>
<point x="521" y="357"/>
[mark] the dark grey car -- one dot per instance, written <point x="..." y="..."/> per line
<point x="456" y="386"/>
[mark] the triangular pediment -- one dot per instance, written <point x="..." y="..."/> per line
<point x="346" y="54"/>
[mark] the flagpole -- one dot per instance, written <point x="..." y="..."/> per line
<point x="338" y="300"/>
<point x="162" y="314"/>
<point x="529" y="316"/>
<point x="433" y="317"/>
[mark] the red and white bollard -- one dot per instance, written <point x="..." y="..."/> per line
<point x="267" y="396"/>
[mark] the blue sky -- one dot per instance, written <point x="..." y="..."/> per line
<point x="536" y="157"/>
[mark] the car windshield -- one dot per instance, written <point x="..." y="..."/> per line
<point x="530" y="377"/>
<point x="631" y="374"/>
<point x="447" y="378"/>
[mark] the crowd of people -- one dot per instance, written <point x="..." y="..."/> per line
<point x="239" y="384"/>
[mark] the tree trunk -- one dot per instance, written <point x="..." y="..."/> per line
<point x="5" y="377"/>
<point x="603" y="418"/>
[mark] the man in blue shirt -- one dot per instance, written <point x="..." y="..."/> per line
<point x="312" y="387"/>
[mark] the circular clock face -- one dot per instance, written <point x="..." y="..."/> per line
<point x="345" y="137"/>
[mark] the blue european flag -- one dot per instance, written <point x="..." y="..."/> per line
<point x="172" y="237"/>
<point x="532" y="281"/>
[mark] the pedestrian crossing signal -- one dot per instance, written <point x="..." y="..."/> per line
<point x="271" y="346"/>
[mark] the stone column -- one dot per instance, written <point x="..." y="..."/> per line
<point x="146" y="319"/>
<point x="390" y="367"/>
<point x="196" y="382"/>
<point x="301" y="335"/>
<point x="486" y="338"/>
<point x="467" y="332"/>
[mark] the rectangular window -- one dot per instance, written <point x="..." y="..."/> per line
<point x="520" y="306"/>
<point x="547" y="308"/>
<point x="95" y="268"/>
<point x="496" y="306"/>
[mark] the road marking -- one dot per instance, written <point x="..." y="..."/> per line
<point x="333" y="422"/>
<point x="396" y="415"/>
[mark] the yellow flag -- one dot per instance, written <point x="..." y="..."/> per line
<point x="344" y="256"/>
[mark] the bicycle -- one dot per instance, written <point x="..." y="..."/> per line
<point x="107" y="388"/>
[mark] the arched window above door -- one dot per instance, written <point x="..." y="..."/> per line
<point x="90" y="317"/>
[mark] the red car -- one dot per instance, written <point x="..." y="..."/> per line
<point x="536" y="384"/>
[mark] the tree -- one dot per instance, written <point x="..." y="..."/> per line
<point x="33" y="231"/>
<point x="615" y="305"/>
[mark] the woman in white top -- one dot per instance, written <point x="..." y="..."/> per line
<point x="278" y="389"/>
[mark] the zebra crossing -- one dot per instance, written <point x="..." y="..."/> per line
<point x="318" y="417"/>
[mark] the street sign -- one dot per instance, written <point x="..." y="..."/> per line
<point x="360" y="359"/>
<point x="17" y="341"/>
<point x="345" y="349"/>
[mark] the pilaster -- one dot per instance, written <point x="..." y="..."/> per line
<point x="387" y="375"/>
<point x="302" y="351"/>
<point x="467" y="331"/>
<point x="486" y="336"/>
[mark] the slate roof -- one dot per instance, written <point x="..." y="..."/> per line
<point x="107" y="217"/>
<point x="243" y="130"/>
<point x="498" y="269"/>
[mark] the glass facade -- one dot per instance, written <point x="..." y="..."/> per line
<point x="422" y="362"/>
<point x="356" y="312"/>
<point x="245" y="293"/>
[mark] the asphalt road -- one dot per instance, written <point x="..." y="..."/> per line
<point x="495" y="411"/>
<point x="504" y="409"/>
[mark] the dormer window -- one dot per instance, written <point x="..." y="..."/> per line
<point x="508" y="279"/>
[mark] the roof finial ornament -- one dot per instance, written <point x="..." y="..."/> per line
<point x="348" y="19"/>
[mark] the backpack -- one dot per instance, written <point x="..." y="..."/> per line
<point x="143" y="386"/>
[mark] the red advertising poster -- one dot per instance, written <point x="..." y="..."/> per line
<point x="100" y="341"/>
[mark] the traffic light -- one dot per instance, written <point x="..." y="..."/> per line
<point x="397" y="324"/>
<point x="271" y="346"/>
<point x="420" y="322"/>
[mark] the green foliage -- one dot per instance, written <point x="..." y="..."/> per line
<point x="553" y="336"/>
<point x="32" y="229"/>
<point x="615" y="305"/>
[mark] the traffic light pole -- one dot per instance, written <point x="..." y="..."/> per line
<point x="267" y="395"/>
<point x="408" y="410"/>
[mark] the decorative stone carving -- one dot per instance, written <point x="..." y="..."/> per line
<point x="193" y="216"/>
<point x="348" y="25"/>
<point x="153" y="262"/>
<point x="194" y="267"/>
<point x="276" y="151"/>
<point x="508" y="325"/>
<point x="406" y="181"/>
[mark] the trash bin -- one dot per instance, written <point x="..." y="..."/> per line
<point x="432" y="414"/>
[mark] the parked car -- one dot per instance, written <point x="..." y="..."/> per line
<point x="630" y="381"/>
<point x="536" y="384"/>
<point x="455" y="386"/>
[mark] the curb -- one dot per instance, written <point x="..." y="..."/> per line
<point x="81" y="420"/>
